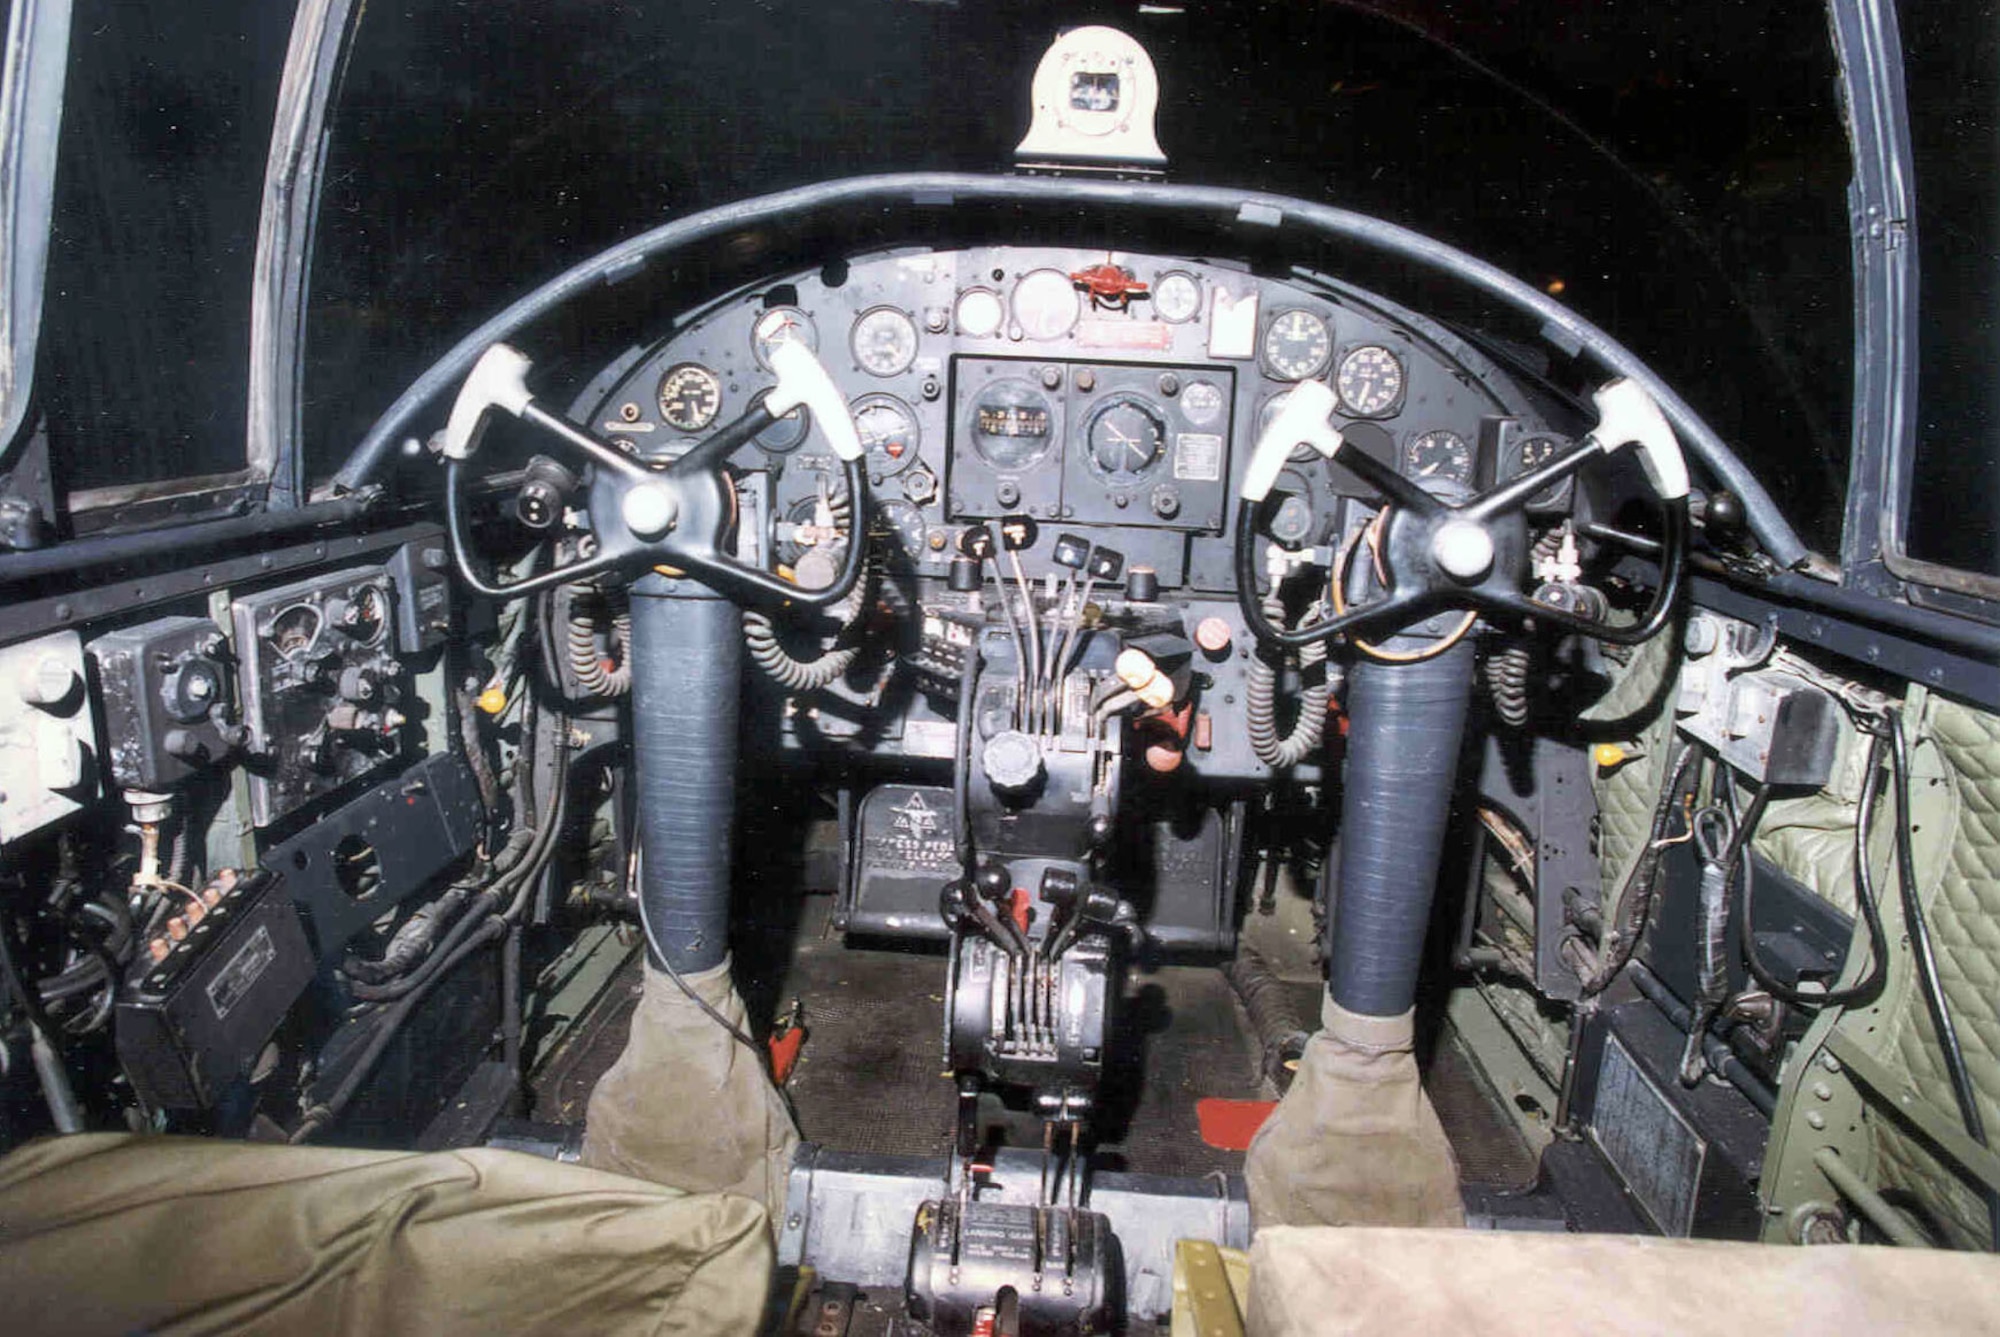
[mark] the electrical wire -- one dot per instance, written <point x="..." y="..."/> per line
<point x="1918" y="929"/>
<point x="735" y="1032"/>
<point x="1865" y="898"/>
<point x="1373" y="533"/>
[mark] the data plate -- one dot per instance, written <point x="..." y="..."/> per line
<point x="1647" y="1141"/>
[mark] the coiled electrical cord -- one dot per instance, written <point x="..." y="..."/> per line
<point x="1507" y="673"/>
<point x="1260" y="705"/>
<point x="760" y="636"/>
<point x="586" y="660"/>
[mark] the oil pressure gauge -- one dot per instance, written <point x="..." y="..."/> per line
<point x="1297" y="345"/>
<point x="884" y="341"/>
<point x="690" y="396"/>
<point x="1370" y="381"/>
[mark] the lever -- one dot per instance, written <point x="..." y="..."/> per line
<point x="1627" y="415"/>
<point x="1302" y="421"/>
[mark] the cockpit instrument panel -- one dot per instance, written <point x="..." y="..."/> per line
<point x="1004" y="381"/>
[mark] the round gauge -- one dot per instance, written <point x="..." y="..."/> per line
<point x="1297" y="345"/>
<point x="888" y="433"/>
<point x="1533" y="452"/>
<point x="907" y="524"/>
<point x="786" y="433"/>
<point x="884" y="341"/>
<point x="981" y="313"/>
<point x="1202" y="403"/>
<point x="1046" y="304"/>
<point x="1438" y="454"/>
<point x="781" y="325"/>
<point x="1176" y="297"/>
<point x="690" y="396"/>
<point x="1300" y="451"/>
<point x="1124" y="438"/>
<point x="1370" y="381"/>
<point x="1012" y="425"/>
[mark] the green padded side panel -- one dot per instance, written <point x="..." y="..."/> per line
<point x="1964" y="915"/>
<point x="1637" y="714"/>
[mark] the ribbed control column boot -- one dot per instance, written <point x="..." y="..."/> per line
<point x="687" y="1104"/>
<point x="1355" y="1141"/>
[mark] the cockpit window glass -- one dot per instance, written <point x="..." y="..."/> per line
<point x="1675" y="172"/>
<point x="1952" y="71"/>
<point x="146" y="317"/>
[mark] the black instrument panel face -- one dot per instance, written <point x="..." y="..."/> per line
<point x="1119" y="392"/>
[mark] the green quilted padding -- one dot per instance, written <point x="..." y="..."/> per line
<point x="1635" y="713"/>
<point x="1964" y="917"/>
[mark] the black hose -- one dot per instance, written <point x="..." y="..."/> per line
<point x="687" y="657"/>
<point x="961" y="766"/>
<point x="1406" y="723"/>
<point x="1280" y="1030"/>
<point x="390" y="1021"/>
<point x="1720" y="1056"/>
<point x="1919" y="931"/>
<point x="1865" y="898"/>
<point x="510" y="1012"/>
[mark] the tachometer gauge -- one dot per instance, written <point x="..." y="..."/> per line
<point x="690" y="396"/>
<point x="889" y="434"/>
<point x="1046" y="304"/>
<point x="1202" y="403"/>
<point x="782" y="325"/>
<point x="884" y="341"/>
<point x="907" y="524"/>
<point x="1176" y="297"/>
<point x="1123" y="438"/>
<point x="1438" y="454"/>
<point x="1297" y="345"/>
<point x="980" y="313"/>
<point x="1370" y="381"/>
<point x="1012" y="425"/>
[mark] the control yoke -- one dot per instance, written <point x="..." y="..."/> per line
<point x="1471" y="555"/>
<point x="680" y="515"/>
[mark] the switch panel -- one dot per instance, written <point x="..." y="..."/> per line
<point x="48" y="742"/>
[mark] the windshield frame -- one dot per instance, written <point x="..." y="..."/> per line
<point x="31" y="102"/>
<point x="1882" y="202"/>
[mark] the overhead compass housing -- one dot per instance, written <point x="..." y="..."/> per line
<point x="1095" y="95"/>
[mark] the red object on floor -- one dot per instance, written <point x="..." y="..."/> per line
<point x="1228" y="1125"/>
<point x="785" y="1044"/>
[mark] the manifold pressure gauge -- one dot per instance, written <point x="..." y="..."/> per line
<point x="1370" y="381"/>
<point x="884" y="341"/>
<point x="1297" y="345"/>
<point x="690" y="396"/>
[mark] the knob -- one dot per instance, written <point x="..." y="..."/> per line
<point x="649" y="510"/>
<point x="46" y="681"/>
<point x="1012" y="761"/>
<point x="1462" y="550"/>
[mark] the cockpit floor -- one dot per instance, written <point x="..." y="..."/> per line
<point x="871" y="1078"/>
